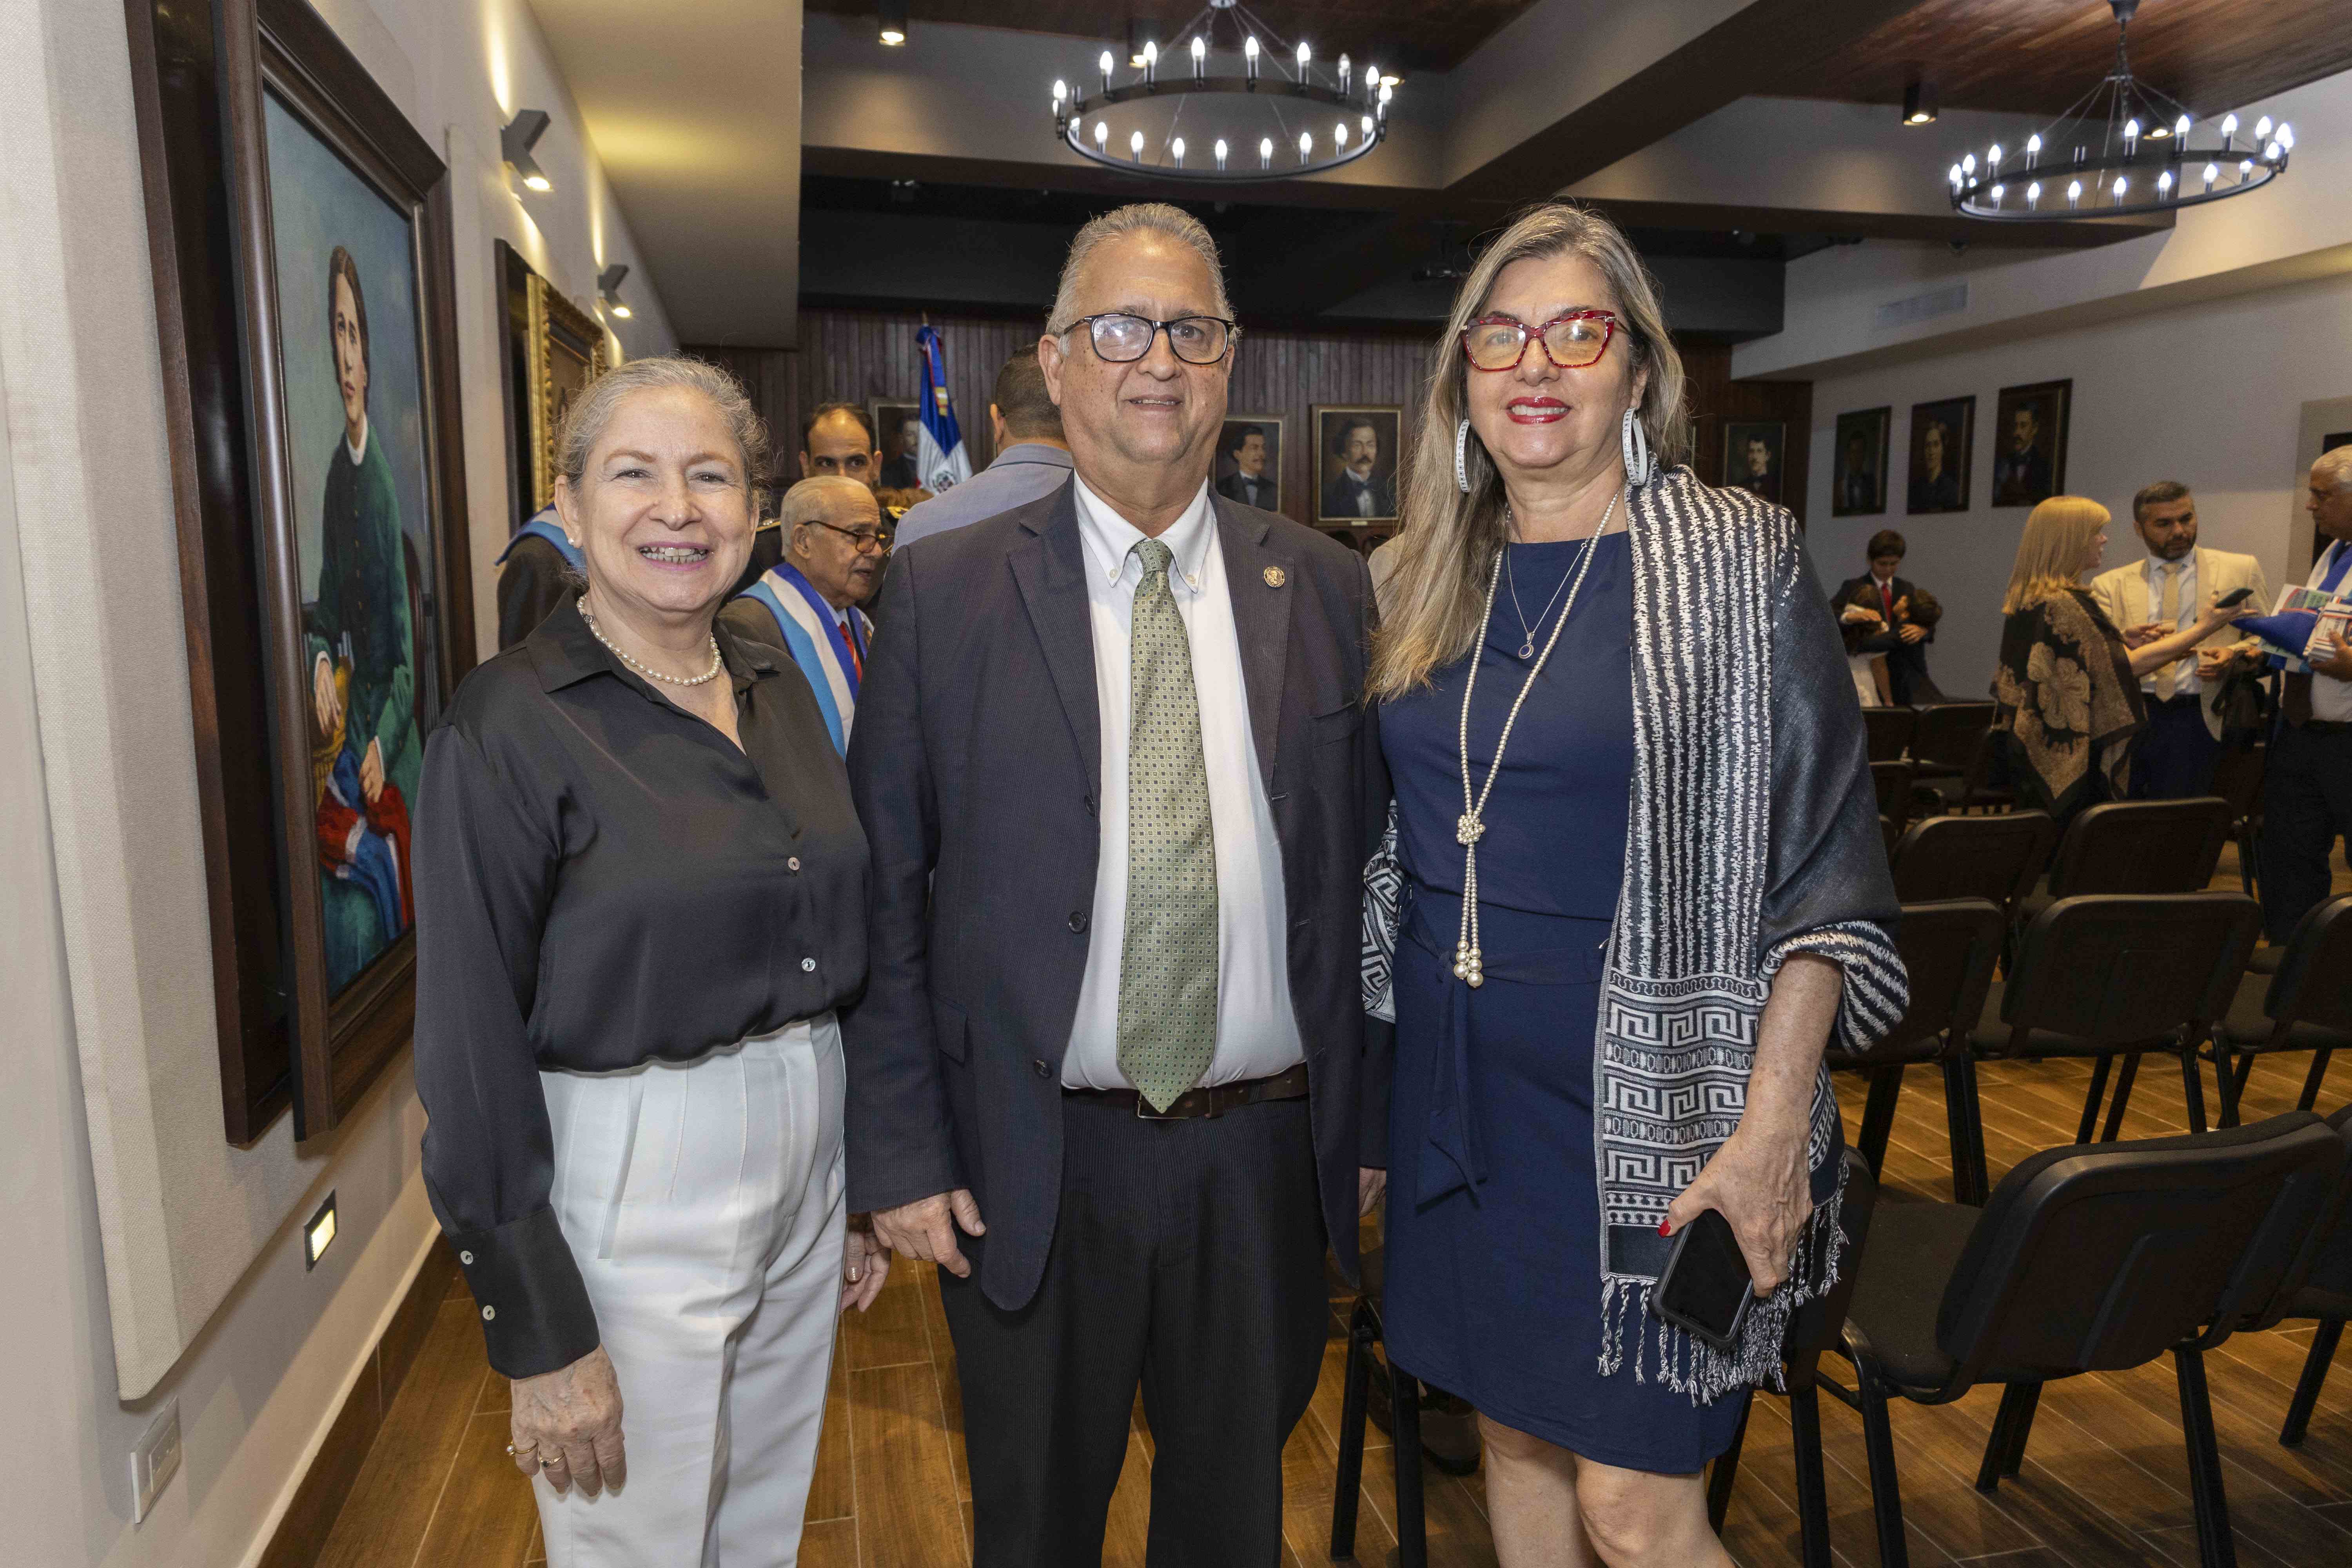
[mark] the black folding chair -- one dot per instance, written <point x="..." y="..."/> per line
<point x="1888" y="732"/>
<point x="1945" y="741"/>
<point x="1995" y="857"/>
<point x="2103" y="975"/>
<point x="2238" y="779"/>
<point x="2305" y="1006"/>
<point x="2326" y="1295"/>
<point x="1364" y="1331"/>
<point x="2088" y="1259"/>
<point x="1949" y="948"/>
<point x="1813" y="1330"/>
<point x="1893" y="782"/>
<point x="2141" y="846"/>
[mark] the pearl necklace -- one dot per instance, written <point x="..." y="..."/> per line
<point x="1468" y="963"/>
<point x="707" y="675"/>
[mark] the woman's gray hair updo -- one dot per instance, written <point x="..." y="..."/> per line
<point x="583" y="426"/>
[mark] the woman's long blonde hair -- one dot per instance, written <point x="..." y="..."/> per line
<point x="1446" y="539"/>
<point x="2058" y="534"/>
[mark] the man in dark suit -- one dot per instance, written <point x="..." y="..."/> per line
<point x="1111" y="1070"/>
<point x="1249" y="483"/>
<point x="1355" y="491"/>
<point x="1903" y="629"/>
<point x="2021" y="472"/>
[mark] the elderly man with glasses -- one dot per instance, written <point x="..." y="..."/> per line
<point x="807" y="604"/>
<point x="1111" y="1071"/>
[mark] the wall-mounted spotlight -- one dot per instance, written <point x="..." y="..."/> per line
<point x="1142" y="30"/>
<point x="893" y="15"/>
<point x="608" y="288"/>
<point x="1919" y="103"/>
<point x="516" y="141"/>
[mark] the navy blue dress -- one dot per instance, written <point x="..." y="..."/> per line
<point x="1493" y="1223"/>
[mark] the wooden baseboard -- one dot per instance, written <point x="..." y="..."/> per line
<point x="302" y="1532"/>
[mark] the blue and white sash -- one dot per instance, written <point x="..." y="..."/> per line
<point x="543" y="525"/>
<point x="818" y="643"/>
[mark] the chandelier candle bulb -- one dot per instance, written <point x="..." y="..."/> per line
<point x="2287" y="136"/>
<point x="2229" y="132"/>
<point x="1249" y="57"/>
<point x="2164" y="185"/>
<point x="1265" y="151"/>
<point x="1220" y="155"/>
<point x="2032" y="151"/>
<point x="2074" y="188"/>
<point x="2273" y="153"/>
<point x="1135" y="147"/>
<point x="1992" y="159"/>
<point x="1303" y="56"/>
<point x="2262" y="129"/>
<point x="1968" y="164"/>
<point x="2181" y="127"/>
<point x="2033" y="194"/>
<point x="1177" y="148"/>
<point x="1200" y="58"/>
<point x="1371" y="82"/>
<point x="1151" y="62"/>
<point x="1997" y="193"/>
<point x="1368" y="127"/>
<point x="1343" y="73"/>
<point x="1102" y="131"/>
<point x="2211" y="174"/>
<point x="2131" y="137"/>
<point x="2122" y="185"/>
<point x="1104" y="65"/>
<point x="1340" y="135"/>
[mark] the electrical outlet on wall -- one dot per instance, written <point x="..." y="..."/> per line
<point x="156" y="1459"/>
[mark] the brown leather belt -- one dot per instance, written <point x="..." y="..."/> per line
<point x="1216" y="1101"/>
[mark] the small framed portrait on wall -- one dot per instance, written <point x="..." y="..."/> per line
<point x="1943" y="438"/>
<point x="2029" y="463"/>
<point x="1752" y="456"/>
<point x="1858" y="465"/>
<point x="1249" y="460"/>
<point x="1356" y="463"/>
<point x="898" y="436"/>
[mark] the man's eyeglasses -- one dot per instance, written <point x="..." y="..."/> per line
<point x="865" y="541"/>
<point x="1573" y="341"/>
<point x="854" y="466"/>
<point x="1122" y="339"/>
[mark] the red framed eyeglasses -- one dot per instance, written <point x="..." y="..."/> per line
<point x="1573" y="341"/>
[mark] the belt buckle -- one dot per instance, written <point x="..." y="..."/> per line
<point x="1143" y="1111"/>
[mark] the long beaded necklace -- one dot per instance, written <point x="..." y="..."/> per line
<point x="707" y="675"/>
<point x="1468" y="963"/>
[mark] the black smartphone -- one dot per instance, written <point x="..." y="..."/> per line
<point x="1706" y="1288"/>
<point x="2233" y="597"/>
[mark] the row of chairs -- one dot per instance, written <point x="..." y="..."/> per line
<point x="2104" y="977"/>
<point x="2094" y="1258"/>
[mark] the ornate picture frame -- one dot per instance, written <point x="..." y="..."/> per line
<point x="1338" y="476"/>
<point x="564" y="351"/>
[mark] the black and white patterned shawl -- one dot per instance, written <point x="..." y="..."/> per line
<point x="1753" y="835"/>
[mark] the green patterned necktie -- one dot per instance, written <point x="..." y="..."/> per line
<point x="1168" y="961"/>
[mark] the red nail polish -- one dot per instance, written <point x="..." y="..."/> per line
<point x="1666" y="1227"/>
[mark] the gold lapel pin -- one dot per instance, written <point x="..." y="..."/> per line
<point x="1274" y="577"/>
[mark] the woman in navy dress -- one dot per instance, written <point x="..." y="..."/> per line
<point x="1633" y="864"/>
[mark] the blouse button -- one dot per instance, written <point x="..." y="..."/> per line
<point x="794" y="865"/>
<point x="466" y="1258"/>
<point x="1078" y="921"/>
<point x="808" y="966"/>
<point x="489" y="1313"/>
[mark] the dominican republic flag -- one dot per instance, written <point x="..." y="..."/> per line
<point x="940" y="459"/>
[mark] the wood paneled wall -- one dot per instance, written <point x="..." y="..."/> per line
<point x="855" y="355"/>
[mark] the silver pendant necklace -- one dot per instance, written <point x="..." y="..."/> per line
<point x="1526" y="635"/>
<point x="1469" y="966"/>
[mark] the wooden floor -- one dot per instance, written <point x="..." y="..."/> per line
<point x="2103" y="1484"/>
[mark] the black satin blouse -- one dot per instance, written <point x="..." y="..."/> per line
<point x="602" y="879"/>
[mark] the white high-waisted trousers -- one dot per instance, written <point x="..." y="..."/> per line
<point x="703" y="1201"/>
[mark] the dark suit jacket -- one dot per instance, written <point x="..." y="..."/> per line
<point x="1907" y="663"/>
<point x="1340" y="497"/>
<point x="534" y="579"/>
<point x="1236" y="486"/>
<point x="976" y="766"/>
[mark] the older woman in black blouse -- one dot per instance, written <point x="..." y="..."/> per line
<point x="641" y="893"/>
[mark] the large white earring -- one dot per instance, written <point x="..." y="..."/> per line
<point x="1636" y="443"/>
<point x="1462" y="456"/>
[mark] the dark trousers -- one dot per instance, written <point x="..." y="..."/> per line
<point x="2306" y="808"/>
<point x="1188" y="1257"/>
<point x="2175" y="755"/>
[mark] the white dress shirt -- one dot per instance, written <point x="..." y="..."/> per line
<point x="2185" y="681"/>
<point x="1257" y="1031"/>
<point x="2331" y="699"/>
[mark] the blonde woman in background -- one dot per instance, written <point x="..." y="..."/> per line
<point x="2068" y="682"/>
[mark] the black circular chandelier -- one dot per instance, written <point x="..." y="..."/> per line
<point x="1245" y="106"/>
<point x="2123" y="148"/>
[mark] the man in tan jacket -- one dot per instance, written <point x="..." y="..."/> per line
<point x="2154" y="597"/>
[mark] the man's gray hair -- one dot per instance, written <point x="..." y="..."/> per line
<point x="2336" y="467"/>
<point x="804" y="502"/>
<point x="1137" y="218"/>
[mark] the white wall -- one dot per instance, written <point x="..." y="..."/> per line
<point x="103" y="943"/>
<point x="2210" y="395"/>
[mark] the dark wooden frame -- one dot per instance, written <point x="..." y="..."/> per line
<point x="1280" y="453"/>
<point x="1962" y="464"/>
<point x="2060" y="431"/>
<point x="1737" y="433"/>
<point x="1883" y="417"/>
<point x="1320" y="450"/>
<point x="198" y="73"/>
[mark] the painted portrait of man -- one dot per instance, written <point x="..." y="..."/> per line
<point x="1359" y="465"/>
